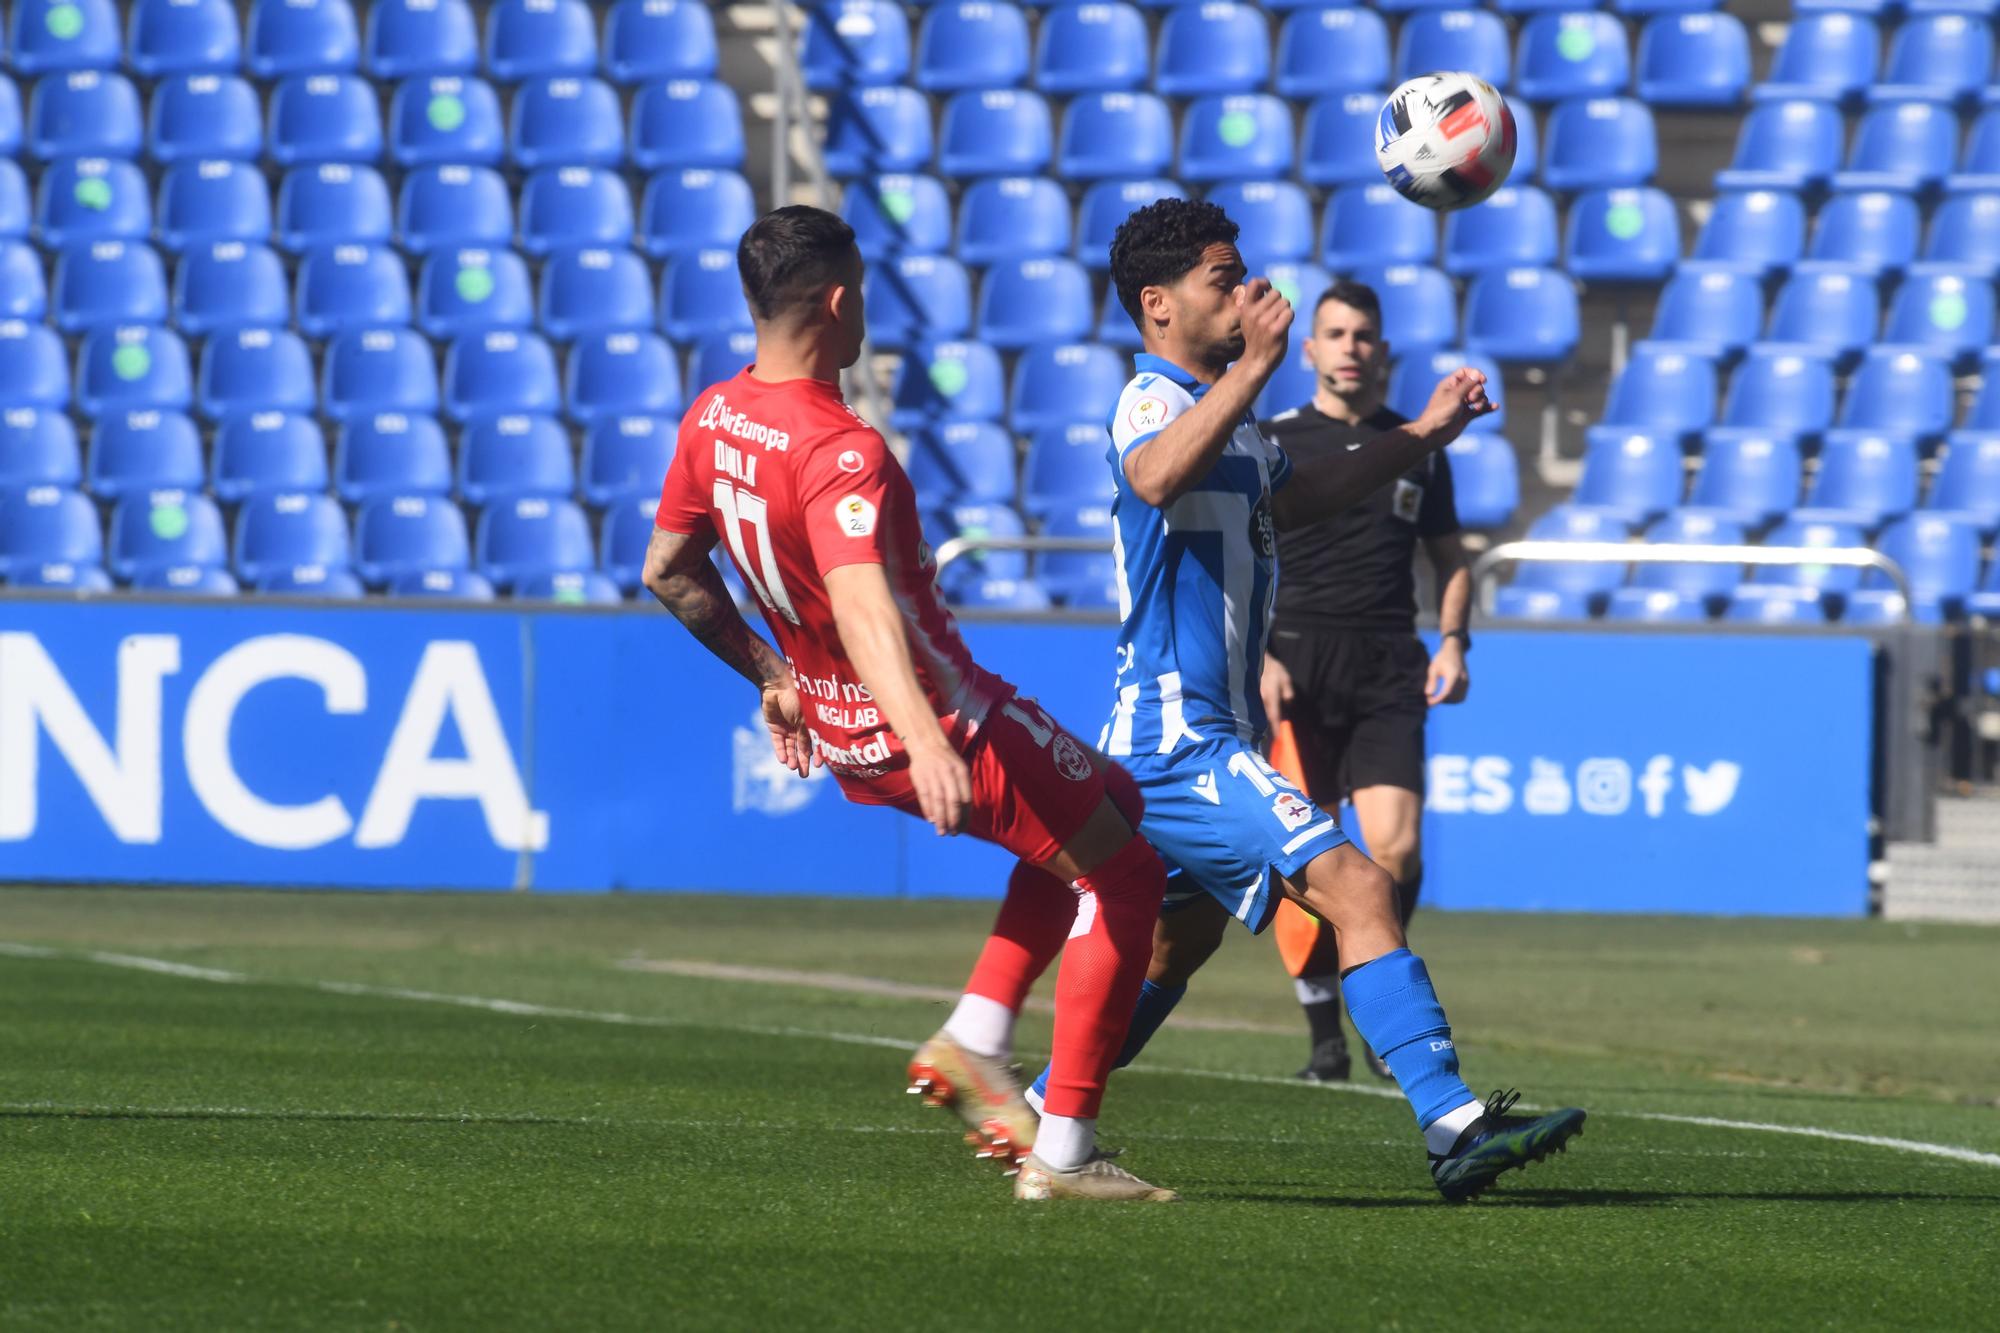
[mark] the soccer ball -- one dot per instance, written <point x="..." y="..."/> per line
<point x="1445" y="140"/>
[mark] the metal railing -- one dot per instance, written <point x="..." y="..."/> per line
<point x="1621" y="553"/>
<point x="958" y="547"/>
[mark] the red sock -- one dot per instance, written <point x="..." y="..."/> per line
<point x="1034" y="921"/>
<point x="1102" y="968"/>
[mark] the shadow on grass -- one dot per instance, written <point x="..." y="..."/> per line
<point x="1603" y="1198"/>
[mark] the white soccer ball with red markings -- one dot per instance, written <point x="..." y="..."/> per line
<point x="1445" y="140"/>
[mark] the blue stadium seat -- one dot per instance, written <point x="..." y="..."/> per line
<point x="1947" y="56"/>
<point x="1066" y="468"/>
<point x="15" y="209"/>
<point x="533" y="39"/>
<point x="628" y="528"/>
<point x="1940" y="554"/>
<point x="1574" y="54"/>
<point x="255" y="370"/>
<point x="1829" y="309"/>
<point x="133" y="367"/>
<point x="1028" y="301"/>
<point x="1873" y="229"/>
<point x="398" y="537"/>
<point x="1591" y="583"/>
<point x="1781" y="389"/>
<point x="1419" y="307"/>
<point x="1902" y="390"/>
<point x="1115" y="136"/>
<point x="108" y="283"/>
<point x="1601" y="143"/>
<point x="205" y="202"/>
<point x="1757" y="604"/>
<point x="593" y="291"/>
<point x="1866" y="477"/>
<point x="282" y="529"/>
<point x="1667" y="390"/>
<point x="1630" y="472"/>
<point x="972" y="44"/>
<point x="1693" y="60"/>
<point x="38" y="448"/>
<point x="188" y="581"/>
<point x="61" y="574"/>
<point x="289" y="37"/>
<point x="1001" y="132"/>
<point x="697" y="123"/>
<point x="24" y="294"/>
<point x="1218" y="47"/>
<point x="872" y="130"/>
<point x="1291" y="384"/>
<point x="165" y="527"/>
<point x="351" y="287"/>
<point x="1372" y="224"/>
<point x="445" y="119"/>
<point x="566" y="123"/>
<point x="1017" y="595"/>
<point x="1486" y="479"/>
<point x="333" y="203"/>
<point x="1828" y="56"/>
<point x="196" y="116"/>
<point x="500" y="371"/>
<point x="1709" y="309"/>
<point x="700" y="294"/>
<point x="1750" y="475"/>
<point x="1979" y="163"/>
<point x="440" y="207"/>
<point x="86" y="113"/>
<point x="324" y="118"/>
<point x="1095" y="48"/>
<point x="1322" y="52"/>
<point x="49" y="36"/>
<point x="1812" y="528"/>
<point x="1415" y="378"/>
<point x="563" y="207"/>
<point x="1080" y="580"/>
<point x="962" y="462"/>
<point x="391" y="454"/>
<point x="370" y="371"/>
<point x="411" y="37"/>
<point x="229" y="284"/>
<point x="916" y="298"/>
<point x="1275" y="217"/>
<point x="317" y="581"/>
<point x="619" y="374"/>
<point x="855" y="43"/>
<point x="694" y="208"/>
<point x="47" y="524"/>
<point x="1522" y="315"/>
<point x="625" y="456"/>
<point x="472" y="289"/>
<point x="267" y="451"/>
<point x="1106" y="205"/>
<point x="132" y="452"/>
<point x="1006" y="217"/>
<point x="183" y="37"/>
<point x="1246" y="136"/>
<point x="956" y="380"/>
<point x="1653" y="606"/>
<point x="1968" y="479"/>
<point x="976" y="521"/>
<point x="574" y="587"/>
<point x="1965" y="231"/>
<point x="1472" y="40"/>
<point x="1527" y="138"/>
<point x="500" y="458"/>
<point x="1945" y="311"/>
<point x="1339" y="144"/>
<point x="894" y="215"/>
<point x="1793" y="144"/>
<point x="1699" y="582"/>
<point x="1516" y="227"/>
<point x="519" y="539"/>
<point x="717" y="356"/>
<point x="92" y="199"/>
<point x="1906" y="145"/>
<point x="1760" y="229"/>
<point x="34" y="373"/>
<point x="1058" y="384"/>
<point x="458" y="585"/>
<point x="647" y="41"/>
<point x="1984" y="414"/>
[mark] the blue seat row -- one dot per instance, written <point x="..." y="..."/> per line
<point x="1882" y="231"/>
<point x="1903" y="143"/>
<point x="1836" y="55"/>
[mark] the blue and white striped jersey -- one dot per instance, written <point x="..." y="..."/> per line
<point x="1196" y="580"/>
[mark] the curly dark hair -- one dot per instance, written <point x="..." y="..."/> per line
<point x="1161" y="242"/>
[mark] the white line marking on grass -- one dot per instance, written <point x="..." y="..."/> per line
<point x="523" y="1008"/>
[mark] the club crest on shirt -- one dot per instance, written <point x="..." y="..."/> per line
<point x="1071" y="761"/>
<point x="1293" y="812"/>
<point x="1148" y="413"/>
<point x="855" y="515"/>
<point x="849" y="460"/>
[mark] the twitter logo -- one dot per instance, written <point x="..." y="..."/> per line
<point x="1710" y="789"/>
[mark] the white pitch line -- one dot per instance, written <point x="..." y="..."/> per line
<point x="523" y="1008"/>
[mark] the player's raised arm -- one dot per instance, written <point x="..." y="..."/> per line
<point x="1322" y="487"/>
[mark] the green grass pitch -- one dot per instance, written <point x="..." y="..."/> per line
<point x="306" y="1126"/>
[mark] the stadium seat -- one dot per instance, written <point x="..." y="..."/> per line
<point x="1828" y="56"/>
<point x="595" y="291"/>
<point x="1984" y="414"/>
<point x="1527" y="138"/>
<point x="1080" y="580"/>
<point x="898" y="214"/>
<point x="975" y="522"/>
<point x="1018" y="595"/>
<point x="1368" y="225"/>
<point x="391" y="454"/>
<point x="205" y="202"/>
<point x="522" y="538"/>
<point x="1324" y="52"/>
<point x="80" y="200"/>
<point x="694" y="208"/>
<point x="1965" y="231"/>
<point x="131" y="452"/>
<point x="1011" y="217"/>
<point x="1601" y="143"/>
<point x="854" y="43"/>
<point x="1066" y="468"/>
<point x="1900" y="390"/>
<point x="1512" y="603"/>
<point x="1291" y="384"/>
<point x="34" y="373"/>
<point x="1516" y="227"/>
<point x="1968" y="479"/>
<point x="1945" y="56"/>
<point x="47" y="524"/>
<point x="1486" y="479"/>
<point x="1105" y="206"/>
<point x="971" y="45"/>
<point x="1828" y="309"/>
<point x="577" y="587"/>
<point x="255" y="370"/>
<point x="287" y="37"/>
<point x="38" y="448"/>
<point x="1415" y="378"/>
<point x="86" y="113"/>
<point x="949" y="380"/>
<point x="916" y="298"/>
<point x="1094" y="48"/>
<point x="467" y="290"/>
<point x="700" y="294"/>
<point x="1275" y="218"/>
<point x="1758" y="604"/>
<point x="1782" y="390"/>
<point x="1812" y="528"/>
<point x="183" y="37"/>
<point x="1666" y="390"/>
<point x="1419" y="308"/>
<point x="564" y="207"/>
<point x="1590" y="581"/>
<point x="1904" y="145"/>
<point x="324" y="118"/>
<point x="50" y="36"/>
<point x="962" y="462"/>
<point x="502" y="458"/>
<point x="445" y="119"/>
<point x="195" y="116"/>
<point x="24" y="294"/>
<point x="1759" y="229"/>
<point x="1979" y="164"/>
<point x="535" y="39"/>
<point x="623" y="373"/>
<point x="1751" y="476"/>
<point x="1874" y="229"/>
<point x="1028" y="301"/>
<point x="401" y="536"/>
<point x="1940" y="555"/>
<point x="500" y="371"/>
<point x="1339" y="144"/>
<point x="568" y="123"/>
<point x="15" y="210"/>
<point x="1218" y="47"/>
<point x="1472" y="40"/>
<point x="440" y="207"/>
<point x="165" y="527"/>
<point x="1061" y="383"/>
<point x="874" y="130"/>
<point x="1653" y="606"/>
<point x="1693" y="61"/>
<point x="1245" y="136"/>
<point x="459" y="585"/>
<point x="1115" y="136"/>
<point x="369" y="371"/>
<point x="628" y="528"/>
<point x="1944" y="311"/>
<point x="412" y="37"/>
<point x="188" y="581"/>
<point x="697" y="123"/>
<point x="717" y="356"/>
<point x="1630" y="472"/>
<point x="1622" y="236"/>
<point x="1708" y="309"/>
<point x="1573" y="54"/>
<point x="625" y="456"/>
<point x="1701" y="582"/>
<point x="1866" y="477"/>
<point x="1522" y="315"/>
<point x="109" y="282"/>
<point x="267" y="451"/>
<point x="351" y="287"/>
<point x="334" y="203"/>
<point x="1794" y="144"/>
<point x="649" y="41"/>
<point x="284" y="529"/>
<point x="312" y="581"/>
<point x="1000" y="132"/>
<point x="125" y="368"/>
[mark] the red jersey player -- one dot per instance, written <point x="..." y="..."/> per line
<point x="875" y="684"/>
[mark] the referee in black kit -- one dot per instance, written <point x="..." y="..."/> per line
<point x="1345" y="668"/>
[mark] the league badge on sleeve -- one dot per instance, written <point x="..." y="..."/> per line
<point x="1148" y="414"/>
<point x="855" y="515"/>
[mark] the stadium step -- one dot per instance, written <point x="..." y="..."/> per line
<point x="1956" y="878"/>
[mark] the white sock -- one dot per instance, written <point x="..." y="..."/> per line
<point x="1064" y="1144"/>
<point x="982" y="1026"/>
<point x="1032" y="1098"/>
<point x="1316" y="990"/>
<point x="1444" y="1130"/>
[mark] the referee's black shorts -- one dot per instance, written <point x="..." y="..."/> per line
<point x="1358" y="709"/>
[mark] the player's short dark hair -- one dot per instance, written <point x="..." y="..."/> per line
<point x="1160" y="243"/>
<point x="790" y="255"/>
<point x="1356" y="296"/>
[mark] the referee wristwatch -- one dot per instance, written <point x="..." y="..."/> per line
<point x="1464" y="639"/>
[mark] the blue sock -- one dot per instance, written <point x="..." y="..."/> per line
<point x="1155" y="1003"/>
<point x="1395" y="1009"/>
